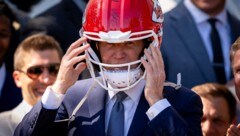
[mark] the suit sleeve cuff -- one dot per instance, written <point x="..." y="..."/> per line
<point x="158" y="107"/>
<point x="51" y="100"/>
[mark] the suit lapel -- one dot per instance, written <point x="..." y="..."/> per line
<point x="234" y="30"/>
<point x="186" y="28"/>
<point x="234" y="27"/>
<point x="11" y="96"/>
<point x="96" y="104"/>
<point x="140" y="119"/>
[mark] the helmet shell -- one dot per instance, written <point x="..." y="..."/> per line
<point x="122" y="15"/>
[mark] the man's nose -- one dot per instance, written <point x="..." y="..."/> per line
<point x="46" y="77"/>
<point x="207" y="128"/>
<point x="119" y="48"/>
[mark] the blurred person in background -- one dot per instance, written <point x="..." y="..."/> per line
<point x="219" y="108"/>
<point x="67" y="14"/>
<point x="234" y="130"/>
<point x="36" y="64"/>
<point x="10" y="95"/>
<point x="199" y="34"/>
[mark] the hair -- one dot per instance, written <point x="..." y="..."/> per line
<point x="36" y="42"/>
<point x="213" y="90"/>
<point x="6" y="11"/>
<point x="235" y="47"/>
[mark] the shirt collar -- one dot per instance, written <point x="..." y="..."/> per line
<point x="27" y="107"/>
<point x="134" y="93"/>
<point x="200" y="16"/>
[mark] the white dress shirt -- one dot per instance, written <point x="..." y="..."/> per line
<point x="204" y="29"/>
<point x="52" y="100"/>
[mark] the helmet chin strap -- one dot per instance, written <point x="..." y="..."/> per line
<point x="122" y="78"/>
<point x="73" y="116"/>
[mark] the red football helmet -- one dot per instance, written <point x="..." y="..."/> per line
<point x="116" y="21"/>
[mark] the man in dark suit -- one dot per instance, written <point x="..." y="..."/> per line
<point x="10" y="95"/>
<point x="187" y="47"/>
<point x="130" y="96"/>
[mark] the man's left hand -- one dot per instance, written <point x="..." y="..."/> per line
<point x="155" y="75"/>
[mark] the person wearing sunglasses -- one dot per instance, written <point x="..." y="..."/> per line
<point x="36" y="63"/>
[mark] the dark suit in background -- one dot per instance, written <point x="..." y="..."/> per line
<point x="183" y="49"/>
<point x="11" y="96"/>
<point x="183" y="117"/>
<point x="69" y="17"/>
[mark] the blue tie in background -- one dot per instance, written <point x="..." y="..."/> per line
<point x="218" y="63"/>
<point x="116" y="122"/>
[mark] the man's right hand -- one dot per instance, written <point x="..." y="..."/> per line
<point x="68" y="72"/>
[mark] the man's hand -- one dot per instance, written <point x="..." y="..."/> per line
<point x="68" y="74"/>
<point x="155" y="76"/>
<point x="233" y="130"/>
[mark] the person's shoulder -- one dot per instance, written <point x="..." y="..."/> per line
<point x="5" y="123"/>
<point x="233" y="19"/>
<point x="5" y="118"/>
<point x="5" y="114"/>
<point x="175" y="10"/>
<point x="181" y="98"/>
<point x="179" y="91"/>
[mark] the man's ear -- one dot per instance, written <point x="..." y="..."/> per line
<point x="17" y="78"/>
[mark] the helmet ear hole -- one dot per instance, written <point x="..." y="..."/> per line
<point x="146" y="43"/>
<point x="93" y="45"/>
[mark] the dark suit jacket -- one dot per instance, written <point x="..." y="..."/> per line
<point x="69" y="17"/>
<point x="11" y="96"/>
<point x="182" y="118"/>
<point x="184" y="51"/>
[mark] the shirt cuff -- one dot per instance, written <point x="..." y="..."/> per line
<point x="51" y="100"/>
<point x="158" y="107"/>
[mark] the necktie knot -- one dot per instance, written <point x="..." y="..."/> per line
<point x="212" y="21"/>
<point x="120" y="96"/>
